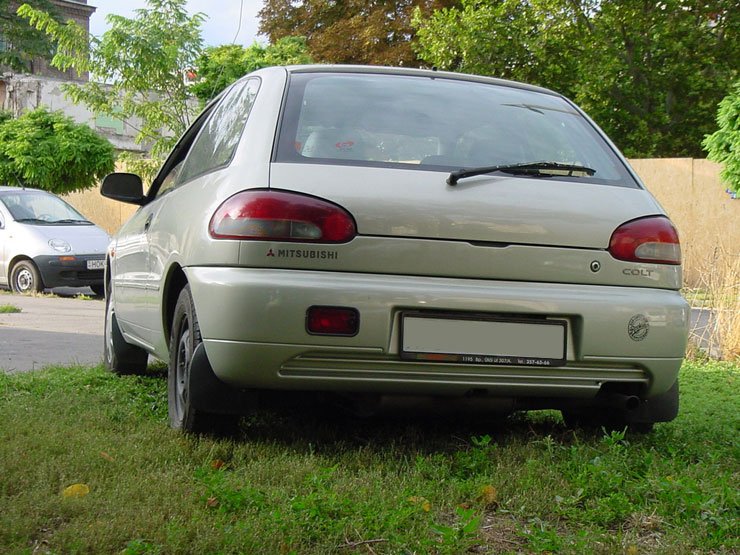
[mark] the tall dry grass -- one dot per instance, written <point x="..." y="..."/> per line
<point x="719" y="294"/>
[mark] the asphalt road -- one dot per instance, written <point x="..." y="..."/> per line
<point x="65" y="330"/>
<point x="51" y="330"/>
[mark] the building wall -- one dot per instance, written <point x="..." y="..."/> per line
<point x="77" y="10"/>
<point x="27" y="92"/>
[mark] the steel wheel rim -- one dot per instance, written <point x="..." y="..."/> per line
<point x="24" y="280"/>
<point x="182" y="367"/>
<point x="108" y="332"/>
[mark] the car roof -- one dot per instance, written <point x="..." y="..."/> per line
<point x="414" y="72"/>
<point x="13" y="189"/>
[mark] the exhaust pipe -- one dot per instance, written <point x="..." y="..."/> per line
<point x="621" y="401"/>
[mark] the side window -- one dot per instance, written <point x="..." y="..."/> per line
<point x="171" y="180"/>
<point x="215" y="145"/>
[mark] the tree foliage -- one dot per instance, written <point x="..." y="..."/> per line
<point x="375" y="32"/>
<point x="48" y="150"/>
<point x="220" y="66"/>
<point x="724" y="144"/>
<point x="648" y="72"/>
<point x="20" y="44"/>
<point x="137" y="64"/>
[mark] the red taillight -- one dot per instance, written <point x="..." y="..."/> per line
<point x="652" y="239"/>
<point x="332" y="320"/>
<point x="281" y="216"/>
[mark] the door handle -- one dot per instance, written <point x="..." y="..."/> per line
<point x="148" y="222"/>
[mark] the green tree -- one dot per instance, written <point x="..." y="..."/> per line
<point x="19" y="43"/>
<point x="650" y="73"/>
<point x="377" y="32"/>
<point x="138" y="65"/>
<point x="723" y="145"/>
<point x="48" y="150"/>
<point x="220" y="66"/>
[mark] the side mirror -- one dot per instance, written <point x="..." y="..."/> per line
<point x="125" y="187"/>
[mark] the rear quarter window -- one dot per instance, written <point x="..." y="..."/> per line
<point x="216" y="143"/>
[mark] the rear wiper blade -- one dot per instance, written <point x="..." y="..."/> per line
<point x="525" y="168"/>
<point x="29" y="220"/>
<point x="71" y="221"/>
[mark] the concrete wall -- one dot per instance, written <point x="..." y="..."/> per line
<point x="690" y="191"/>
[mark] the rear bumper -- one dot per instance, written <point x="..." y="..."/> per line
<point x="253" y="326"/>
<point x="57" y="272"/>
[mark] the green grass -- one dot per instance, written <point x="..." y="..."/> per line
<point x="315" y="481"/>
<point x="9" y="309"/>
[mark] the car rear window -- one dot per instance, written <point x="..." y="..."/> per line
<point x="437" y="124"/>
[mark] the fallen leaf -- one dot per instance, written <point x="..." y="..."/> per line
<point x="106" y="456"/>
<point x="488" y="496"/>
<point x="217" y="464"/>
<point x="422" y="502"/>
<point x="211" y="502"/>
<point x="76" y="490"/>
<point x="631" y="550"/>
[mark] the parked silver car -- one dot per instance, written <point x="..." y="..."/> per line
<point x="381" y="232"/>
<point x="45" y="243"/>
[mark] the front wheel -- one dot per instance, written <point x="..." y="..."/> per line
<point x="25" y="278"/>
<point x="184" y="340"/>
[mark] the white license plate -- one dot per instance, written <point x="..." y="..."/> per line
<point x="96" y="264"/>
<point x="480" y="340"/>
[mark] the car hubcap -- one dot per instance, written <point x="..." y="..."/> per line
<point x="24" y="280"/>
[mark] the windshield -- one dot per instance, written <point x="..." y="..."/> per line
<point x="40" y="208"/>
<point x="437" y="124"/>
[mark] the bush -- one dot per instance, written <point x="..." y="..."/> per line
<point x="723" y="145"/>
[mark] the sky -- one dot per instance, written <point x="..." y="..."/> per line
<point x="222" y="24"/>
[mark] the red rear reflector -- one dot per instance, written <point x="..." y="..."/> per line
<point x="271" y="215"/>
<point x="331" y="320"/>
<point x="652" y="239"/>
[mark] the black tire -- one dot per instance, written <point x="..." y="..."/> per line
<point x="184" y="339"/>
<point x="98" y="289"/>
<point x="25" y="278"/>
<point x="120" y="357"/>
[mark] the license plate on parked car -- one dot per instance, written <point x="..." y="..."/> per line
<point x="482" y="340"/>
<point x="96" y="264"/>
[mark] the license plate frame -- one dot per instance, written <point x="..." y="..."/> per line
<point x="460" y="339"/>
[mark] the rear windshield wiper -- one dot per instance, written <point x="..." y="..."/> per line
<point x="32" y="220"/>
<point x="70" y="221"/>
<point x="526" y="168"/>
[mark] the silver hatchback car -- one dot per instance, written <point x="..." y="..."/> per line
<point x="383" y="232"/>
<point x="45" y="243"/>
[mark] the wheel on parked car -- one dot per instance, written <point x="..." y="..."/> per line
<point x="25" y="278"/>
<point x="184" y="340"/>
<point x="98" y="289"/>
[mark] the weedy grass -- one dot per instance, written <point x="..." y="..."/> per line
<point x="719" y="295"/>
<point x="9" y="309"/>
<point x="311" y="480"/>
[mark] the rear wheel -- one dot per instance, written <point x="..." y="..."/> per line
<point x="25" y="278"/>
<point x="184" y="339"/>
<point x="120" y="357"/>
